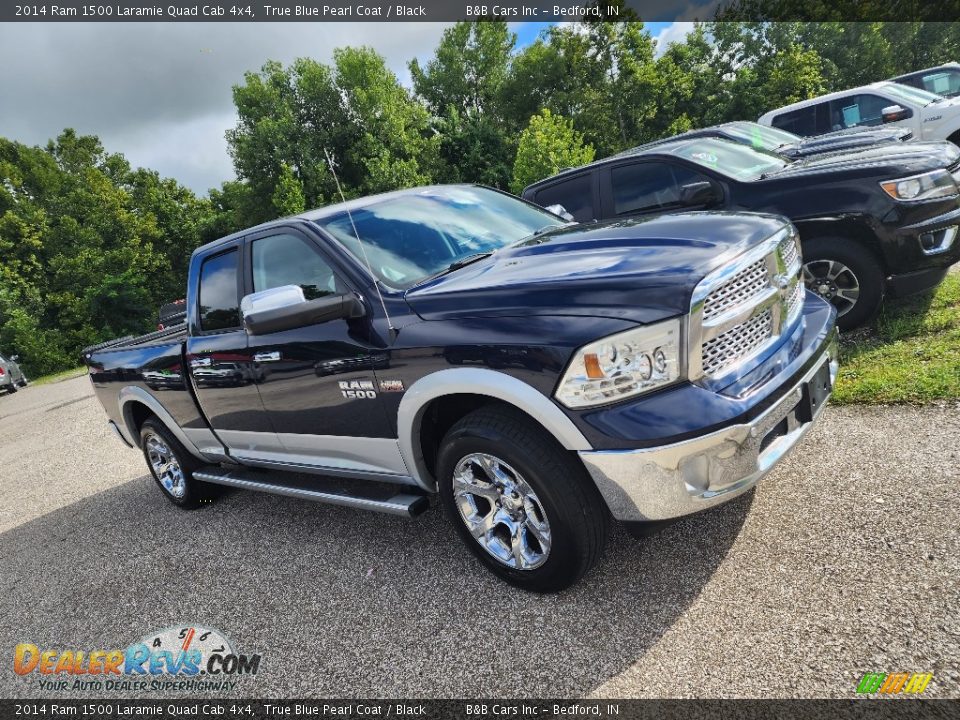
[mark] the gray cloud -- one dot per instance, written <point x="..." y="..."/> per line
<point x="160" y="92"/>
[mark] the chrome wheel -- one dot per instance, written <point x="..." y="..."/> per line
<point x="165" y="466"/>
<point x="834" y="282"/>
<point x="501" y="511"/>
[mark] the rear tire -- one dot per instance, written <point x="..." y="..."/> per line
<point x="172" y="466"/>
<point x="12" y="387"/>
<point x="537" y="520"/>
<point x="847" y="275"/>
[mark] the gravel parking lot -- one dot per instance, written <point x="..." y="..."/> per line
<point x="845" y="560"/>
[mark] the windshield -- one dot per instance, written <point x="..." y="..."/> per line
<point x="411" y="237"/>
<point x="729" y="158"/>
<point x="910" y="95"/>
<point x="760" y="136"/>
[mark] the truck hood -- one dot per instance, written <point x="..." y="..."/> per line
<point x="885" y="161"/>
<point x="845" y="140"/>
<point x="640" y="270"/>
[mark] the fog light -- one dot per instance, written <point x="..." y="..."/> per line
<point x="938" y="241"/>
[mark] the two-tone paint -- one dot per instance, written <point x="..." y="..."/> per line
<point x="503" y="328"/>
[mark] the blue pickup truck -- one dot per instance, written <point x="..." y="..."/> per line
<point x="539" y="376"/>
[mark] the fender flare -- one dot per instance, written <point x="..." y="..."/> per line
<point x="131" y="394"/>
<point x="476" y="381"/>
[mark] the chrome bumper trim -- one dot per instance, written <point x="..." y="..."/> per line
<point x="674" y="480"/>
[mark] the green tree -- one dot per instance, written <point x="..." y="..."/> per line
<point x="462" y="87"/>
<point x="356" y="109"/>
<point x="287" y="196"/>
<point x="91" y="247"/>
<point x="547" y="145"/>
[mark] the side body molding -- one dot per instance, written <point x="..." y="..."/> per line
<point x="208" y="441"/>
<point x="475" y="381"/>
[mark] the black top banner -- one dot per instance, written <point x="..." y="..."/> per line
<point x="455" y="10"/>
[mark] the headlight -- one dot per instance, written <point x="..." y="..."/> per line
<point x="622" y="365"/>
<point x="936" y="184"/>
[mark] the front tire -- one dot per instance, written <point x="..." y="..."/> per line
<point x="521" y="503"/>
<point x="847" y="275"/>
<point x="172" y="466"/>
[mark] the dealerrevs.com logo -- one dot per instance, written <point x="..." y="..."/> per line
<point x="188" y="658"/>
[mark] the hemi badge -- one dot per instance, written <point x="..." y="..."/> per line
<point x="391" y="386"/>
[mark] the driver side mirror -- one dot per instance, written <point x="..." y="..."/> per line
<point x="893" y="113"/>
<point x="698" y="194"/>
<point x="15" y="358"/>
<point x="286" y="308"/>
<point x="560" y="211"/>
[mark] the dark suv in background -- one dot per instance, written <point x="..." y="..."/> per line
<point x="871" y="222"/>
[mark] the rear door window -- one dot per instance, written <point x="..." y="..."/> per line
<point x="806" y="121"/>
<point x="798" y="122"/>
<point x="219" y="297"/>
<point x="575" y="194"/>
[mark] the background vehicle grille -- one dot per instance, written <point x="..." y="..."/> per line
<point x="737" y="342"/>
<point x="750" y="281"/>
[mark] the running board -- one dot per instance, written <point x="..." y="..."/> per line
<point x="362" y="498"/>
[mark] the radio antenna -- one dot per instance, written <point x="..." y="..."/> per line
<point x="363" y="249"/>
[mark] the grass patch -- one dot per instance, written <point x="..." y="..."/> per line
<point x="909" y="354"/>
<point x="57" y="377"/>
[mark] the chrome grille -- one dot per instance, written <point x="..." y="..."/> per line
<point x="743" y="307"/>
<point x="737" y="342"/>
<point x="795" y="301"/>
<point x="788" y="253"/>
<point x="741" y="288"/>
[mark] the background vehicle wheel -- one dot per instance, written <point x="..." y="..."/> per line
<point x="522" y="504"/>
<point x="172" y="466"/>
<point x="24" y="382"/>
<point x="12" y="387"/>
<point x="845" y="274"/>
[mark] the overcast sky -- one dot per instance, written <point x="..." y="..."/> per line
<point x="160" y="92"/>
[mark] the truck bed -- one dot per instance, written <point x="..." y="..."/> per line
<point x="165" y="336"/>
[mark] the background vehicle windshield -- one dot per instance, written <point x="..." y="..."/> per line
<point x="411" y="237"/>
<point x="761" y="136"/>
<point x="913" y="96"/>
<point x="729" y="158"/>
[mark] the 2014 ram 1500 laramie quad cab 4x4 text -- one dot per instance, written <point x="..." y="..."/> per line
<point x="540" y="376"/>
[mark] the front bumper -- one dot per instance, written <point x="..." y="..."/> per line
<point x="670" y="481"/>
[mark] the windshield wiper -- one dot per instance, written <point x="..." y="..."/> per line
<point x="536" y="233"/>
<point x="456" y="265"/>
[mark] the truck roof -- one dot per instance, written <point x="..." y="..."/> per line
<point x="326" y="211"/>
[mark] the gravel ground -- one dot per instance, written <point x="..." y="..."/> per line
<point x="845" y="560"/>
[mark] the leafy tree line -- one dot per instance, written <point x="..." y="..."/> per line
<point x="90" y="247"/>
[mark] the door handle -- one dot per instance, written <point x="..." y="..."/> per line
<point x="200" y="362"/>
<point x="267" y="357"/>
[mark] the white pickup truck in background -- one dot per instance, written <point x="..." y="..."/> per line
<point x="928" y="116"/>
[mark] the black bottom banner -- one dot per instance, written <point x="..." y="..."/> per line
<point x="481" y="709"/>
